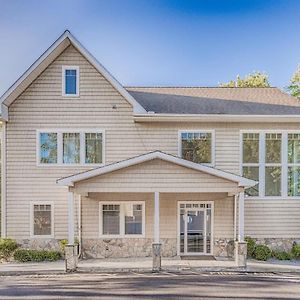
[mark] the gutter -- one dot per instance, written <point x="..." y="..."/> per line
<point x="153" y="117"/>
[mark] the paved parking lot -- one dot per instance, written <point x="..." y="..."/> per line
<point x="183" y="285"/>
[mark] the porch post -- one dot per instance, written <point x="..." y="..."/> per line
<point x="241" y="216"/>
<point x="70" y="251"/>
<point x="241" y="245"/>
<point x="156" y="246"/>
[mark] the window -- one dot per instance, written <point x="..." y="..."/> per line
<point x="48" y="148"/>
<point x="93" y="148"/>
<point x="41" y="220"/>
<point x="251" y="160"/>
<point x="273" y="159"/>
<point x="69" y="148"/>
<point x="70" y="81"/>
<point x="197" y="146"/>
<point x="293" y="164"/>
<point x="122" y="219"/>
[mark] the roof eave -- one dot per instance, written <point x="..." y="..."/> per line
<point x="157" y="117"/>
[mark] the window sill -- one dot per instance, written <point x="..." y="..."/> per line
<point x="70" y="165"/>
<point x="125" y="236"/>
<point x="42" y="236"/>
<point x="273" y="198"/>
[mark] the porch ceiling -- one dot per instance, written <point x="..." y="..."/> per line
<point x="156" y="171"/>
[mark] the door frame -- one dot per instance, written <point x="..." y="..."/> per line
<point x="212" y="225"/>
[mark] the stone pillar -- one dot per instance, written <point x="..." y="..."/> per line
<point x="240" y="254"/>
<point x="156" y="253"/>
<point x="71" y="258"/>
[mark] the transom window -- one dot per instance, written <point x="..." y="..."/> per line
<point x="122" y="219"/>
<point x="272" y="159"/>
<point x="70" y="80"/>
<point x="70" y="148"/>
<point x="197" y="146"/>
<point x="42" y="219"/>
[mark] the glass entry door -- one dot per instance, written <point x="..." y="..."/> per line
<point x="195" y="228"/>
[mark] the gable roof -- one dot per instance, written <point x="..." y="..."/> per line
<point x="71" y="180"/>
<point x="266" y="95"/>
<point x="65" y="40"/>
<point x="169" y="103"/>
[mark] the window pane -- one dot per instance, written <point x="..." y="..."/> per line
<point x="251" y="147"/>
<point x="294" y="181"/>
<point x="93" y="148"/>
<point x="71" y="148"/>
<point x="196" y="147"/>
<point x="273" y="181"/>
<point x="48" y="148"/>
<point x="294" y="148"/>
<point x="42" y="220"/>
<point x="133" y="218"/>
<point x="70" y="82"/>
<point x="273" y="147"/>
<point x="111" y="219"/>
<point x="251" y="173"/>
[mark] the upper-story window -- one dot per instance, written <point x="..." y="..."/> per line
<point x="197" y="146"/>
<point x="70" y="77"/>
<point x="70" y="148"/>
<point x="272" y="159"/>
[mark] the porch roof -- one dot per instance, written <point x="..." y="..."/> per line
<point x="71" y="180"/>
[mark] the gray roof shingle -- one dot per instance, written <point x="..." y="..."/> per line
<point x="253" y="101"/>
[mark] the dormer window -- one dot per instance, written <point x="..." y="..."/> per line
<point x="70" y="79"/>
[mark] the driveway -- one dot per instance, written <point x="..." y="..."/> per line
<point x="183" y="285"/>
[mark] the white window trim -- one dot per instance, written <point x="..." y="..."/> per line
<point x="60" y="147"/>
<point x="31" y="215"/>
<point x="213" y="144"/>
<point x="122" y="220"/>
<point x="64" y="68"/>
<point x="284" y="164"/>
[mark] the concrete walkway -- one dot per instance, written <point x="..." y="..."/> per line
<point x="145" y="265"/>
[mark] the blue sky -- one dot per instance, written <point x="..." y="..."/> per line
<point x="176" y="43"/>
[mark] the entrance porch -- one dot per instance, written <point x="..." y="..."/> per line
<point x="157" y="205"/>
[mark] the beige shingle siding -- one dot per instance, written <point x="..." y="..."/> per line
<point x="223" y="208"/>
<point x="42" y="106"/>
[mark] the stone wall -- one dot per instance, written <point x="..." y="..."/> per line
<point x="128" y="247"/>
<point x="142" y="247"/>
<point x="277" y="244"/>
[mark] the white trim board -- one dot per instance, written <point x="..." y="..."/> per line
<point x="47" y="58"/>
<point x="69" y="181"/>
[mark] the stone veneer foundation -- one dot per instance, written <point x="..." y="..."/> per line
<point x="142" y="247"/>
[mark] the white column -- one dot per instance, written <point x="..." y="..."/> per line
<point x="234" y="217"/>
<point x="241" y="216"/>
<point x="71" y="218"/>
<point x="156" y="218"/>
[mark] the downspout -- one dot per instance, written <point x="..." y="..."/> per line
<point x="3" y="180"/>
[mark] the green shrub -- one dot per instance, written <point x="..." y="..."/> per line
<point x="281" y="255"/>
<point x="250" y="246"/>
<point x="262" y="252"/>
<point x="296" y="251"/>
<point x="64" y="242"/>
<point x="24" y="255"/>
<point x="7" y="247"/>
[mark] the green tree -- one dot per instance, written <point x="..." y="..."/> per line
<point x="255" y="79"/>
<point x="294" y="87"/>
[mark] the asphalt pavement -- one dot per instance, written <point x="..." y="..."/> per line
<point x="165" y="285"/>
